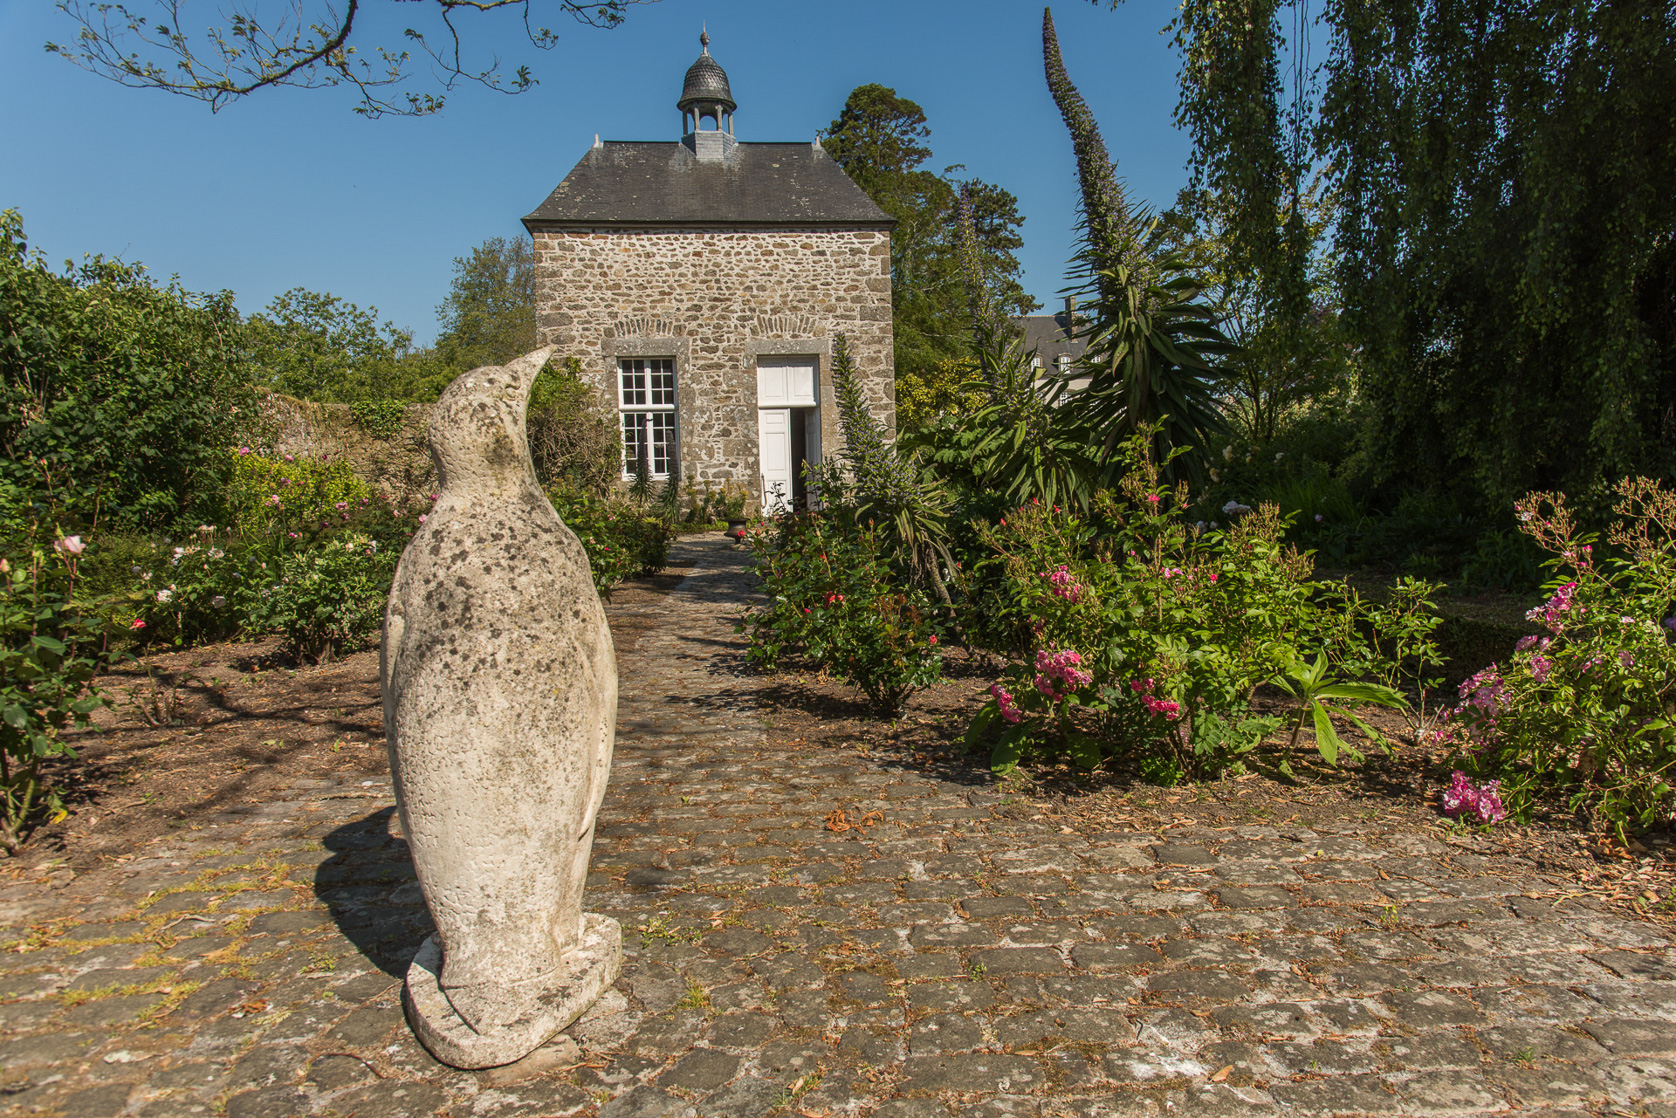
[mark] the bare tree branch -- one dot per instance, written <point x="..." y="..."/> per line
<point x="307" y="45"/>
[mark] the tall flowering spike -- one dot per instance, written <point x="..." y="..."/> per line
<point x="971" y="270"/>
<point x="1110" y="226"/>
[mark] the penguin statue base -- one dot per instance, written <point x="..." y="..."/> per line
<point x="587" y="971"/>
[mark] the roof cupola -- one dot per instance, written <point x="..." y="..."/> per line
<point x="705" y="93"/>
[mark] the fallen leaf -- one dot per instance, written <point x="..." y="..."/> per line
<point x="1223" y="1074"/>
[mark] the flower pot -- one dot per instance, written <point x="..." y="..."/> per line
<point x="735" y="530"/>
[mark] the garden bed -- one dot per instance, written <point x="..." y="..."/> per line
<point x="210" y="729"/>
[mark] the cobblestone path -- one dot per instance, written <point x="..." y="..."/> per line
<point x="953" y="960"/>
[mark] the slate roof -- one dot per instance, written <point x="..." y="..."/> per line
<point x="1051" y="335"/>
<point x="757" y="185"/>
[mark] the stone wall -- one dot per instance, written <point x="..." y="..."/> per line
<point x="399" y="465"/>
<point x="716" y="300"/>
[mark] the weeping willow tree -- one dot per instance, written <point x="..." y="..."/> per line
<point x="1506" y="231"/>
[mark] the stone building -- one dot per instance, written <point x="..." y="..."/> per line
<point x="700" y="282"/>
<point x="1057" y="342"/>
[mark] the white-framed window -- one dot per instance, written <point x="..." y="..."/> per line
<point x="646" y="399"/>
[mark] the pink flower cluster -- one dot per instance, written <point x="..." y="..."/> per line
<point x="1540" y="665"/>
<point x="1059" y="673"/>
<point x="1065" y="584"/>
<point x="1167" y="709"/>
<point x="1552" y="613"/>
<point x="1463" y="797"/>
<point x="1004" y="700"/>
<point x="1486" y="691"/>
<point x="1472" y="722"/>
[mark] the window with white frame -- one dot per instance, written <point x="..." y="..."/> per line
<point x="646" y="398"/>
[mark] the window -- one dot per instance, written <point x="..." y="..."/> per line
<point x="646" y="394"/>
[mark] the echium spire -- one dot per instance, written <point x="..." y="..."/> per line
<point x="1109" y="224"/>
<point x="971" y="267"/>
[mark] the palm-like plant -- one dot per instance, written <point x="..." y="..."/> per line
<point x="1015" y="444"/>
<point x="887" y="484"/>
<point x="1153" y="343"/>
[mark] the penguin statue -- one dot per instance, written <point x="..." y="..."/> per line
<point x="500" y="706"/>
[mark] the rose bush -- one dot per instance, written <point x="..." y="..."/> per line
<point x="1587" y="708"/>
<point x="834" y="599"/>
<point x="1148" y="636"/>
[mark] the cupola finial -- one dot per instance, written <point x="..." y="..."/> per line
<point x="705" y="94"/>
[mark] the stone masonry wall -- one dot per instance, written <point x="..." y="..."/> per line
<point x="399" y="465"/>
<point x="716" y="300"/>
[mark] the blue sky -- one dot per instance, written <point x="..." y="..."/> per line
<point x="291" y="189"/>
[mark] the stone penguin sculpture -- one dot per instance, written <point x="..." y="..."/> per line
<point x="500" y="707"/>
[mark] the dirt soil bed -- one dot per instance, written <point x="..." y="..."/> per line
<point x="211" y="728"/>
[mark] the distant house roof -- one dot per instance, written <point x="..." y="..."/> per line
<point x="1051" y="335"/>
<point x="757" y="185"/>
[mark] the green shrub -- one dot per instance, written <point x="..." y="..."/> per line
<point x="116" y="395"/>
<point x="186" y="593"/>
<point x="53" y="645"/>
<point x="295" y="498"/>
<point x="1150" y="636"/>
<point x="575" y="443"/>
<point x="620" y="542"/>
<point x="1588" y="708"/>
<point x="832" y="597"/>
<point x="326" y="599"/>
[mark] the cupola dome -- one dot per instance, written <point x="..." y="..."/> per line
<point x="705" y="93"/>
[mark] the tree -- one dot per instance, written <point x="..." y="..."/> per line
<point x="318" y="46"/>
<point x="1503" y="227"/>
<point x="1282" y="364"/>
<point x="488" y="317"/>
<point x="880" y="139"/>
<point x="316" y="346"/>
<point x="118" y="397"/>
<point x="1153" y="354"/>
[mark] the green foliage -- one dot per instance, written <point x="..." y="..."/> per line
<point x="271" y="497"/>
<point x="621" y="542"/>
<point x="488" y="317"/>
<point x="1153" y="344"/>
<point x="886" y="484"/>
<point x="1501" y="224"/>
<point x="316" y="346"/>
<point x="834" y="599"/>
<point x="51" y="645"/>
<point x="881" y="140"/>
<point x="1587" y="709"/>
<point x="379" y="418"/>
<point x="117" y="396"/>
<point x="712" y="505"/>
<point x="1013" y="445"/>
<point x="182" y="594"/>
<point x="326" y="599"/>
<point x="574" y="439"/>
<point x="940" y="390"/>
<point x="1292" y="354"/>
<point x="1147" y="637"/>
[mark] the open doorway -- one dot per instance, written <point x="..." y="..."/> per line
<point x="788" y="429"/>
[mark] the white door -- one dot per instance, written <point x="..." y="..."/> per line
<point x="774" y="443"/>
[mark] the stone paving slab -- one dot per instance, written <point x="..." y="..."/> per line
<point x="954" y="959"/>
